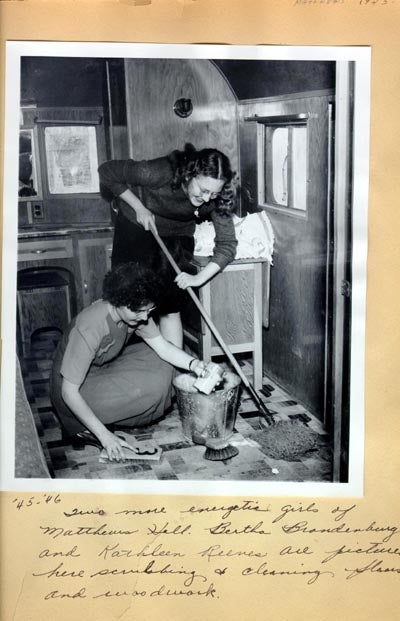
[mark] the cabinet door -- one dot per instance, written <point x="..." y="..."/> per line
<point x="94" y="261"/>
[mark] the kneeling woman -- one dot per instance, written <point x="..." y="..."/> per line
<point x="97" y="379"/>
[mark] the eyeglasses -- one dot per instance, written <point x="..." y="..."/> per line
<point x="203" y="192"/>
<point x="147" y="311"/>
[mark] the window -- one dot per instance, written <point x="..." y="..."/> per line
<point x="282" y="167"/>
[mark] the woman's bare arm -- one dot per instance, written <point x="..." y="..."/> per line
<point x="175" y="356"/>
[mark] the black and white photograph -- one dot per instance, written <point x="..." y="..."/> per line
<point x="184" y="268"/>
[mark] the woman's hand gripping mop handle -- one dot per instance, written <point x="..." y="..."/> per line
<point x="262" y="407"/>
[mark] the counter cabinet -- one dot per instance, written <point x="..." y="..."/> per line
<point x="79" y="258"/>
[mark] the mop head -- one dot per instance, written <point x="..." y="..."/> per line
<point x="288" y="440"/>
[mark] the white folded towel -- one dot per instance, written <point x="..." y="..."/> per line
<point x="253" y="232"/>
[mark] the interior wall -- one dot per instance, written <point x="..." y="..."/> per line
<point x="68" y="209"/>
<point x="153" y="86"/>
<point x="294" y="344"/>
<point x="66" y="88"/>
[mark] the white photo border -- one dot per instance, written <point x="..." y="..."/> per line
<point x="361" y="56"/>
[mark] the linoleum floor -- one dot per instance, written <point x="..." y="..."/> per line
<point x="181" y="460"/>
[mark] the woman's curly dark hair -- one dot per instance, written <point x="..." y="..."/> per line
<point x="190" y="163"/>
<point x="132" y="285"/>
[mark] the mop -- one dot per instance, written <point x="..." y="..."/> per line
<point x="284" y="439"/>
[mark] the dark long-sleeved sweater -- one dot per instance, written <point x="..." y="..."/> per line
<point x="174" y="213"/>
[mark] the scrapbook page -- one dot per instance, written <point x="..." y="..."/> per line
<point x="214" y="209"/>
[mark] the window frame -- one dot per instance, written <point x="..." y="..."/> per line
<point x="265" y="126"/>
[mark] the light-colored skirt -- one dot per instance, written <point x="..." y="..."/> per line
<point x="133" y="389"/>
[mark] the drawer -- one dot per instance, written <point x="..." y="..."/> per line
<point x="45" y="249"/>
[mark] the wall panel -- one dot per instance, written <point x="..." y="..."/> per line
<point x="294" y="346"/>
<point x="153" y="86"/>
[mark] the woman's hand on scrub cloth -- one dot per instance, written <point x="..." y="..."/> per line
<point x="113" y="445"/>
<point x="198" y="367"/>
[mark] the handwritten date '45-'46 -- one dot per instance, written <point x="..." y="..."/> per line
<point x="24" y="503"/>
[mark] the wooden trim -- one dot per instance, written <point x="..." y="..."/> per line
<point x="258" y="342"/>
<point x="329" y="268"/>
<point x="266" y="292"/>
<point x="329" y="92"/>
<point x="289" y="175"/>
<point x="341" y="194"/>
<point x="241" y="348"/>
<point x="38" y="121"/>
<point x="242" y="267"/>
<point x="280" y="119"/>
<point x="200" y="261"/>
<point x="260" y="163"/>
<point x="66" y="109"/>
<point x="284" y="211"/>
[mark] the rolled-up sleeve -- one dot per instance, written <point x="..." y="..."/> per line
<point x="225" y="239"/>
<point x="119" y="175"/>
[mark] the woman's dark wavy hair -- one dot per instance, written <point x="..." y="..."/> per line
<point x="190" y="163"/>
<point x="132" y="285"/>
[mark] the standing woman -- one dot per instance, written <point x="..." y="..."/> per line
<point x="170" y="195"/>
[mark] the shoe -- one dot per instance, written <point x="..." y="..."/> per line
<point x="83" y="438"/>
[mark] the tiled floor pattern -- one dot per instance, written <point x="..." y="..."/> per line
<point x="180" y="458"/>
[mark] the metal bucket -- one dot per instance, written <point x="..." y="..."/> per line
<point x="206" y="417"/>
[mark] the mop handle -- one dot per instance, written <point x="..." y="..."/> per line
<point x="207" y="318"/>
<point x="267" y="414"/>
